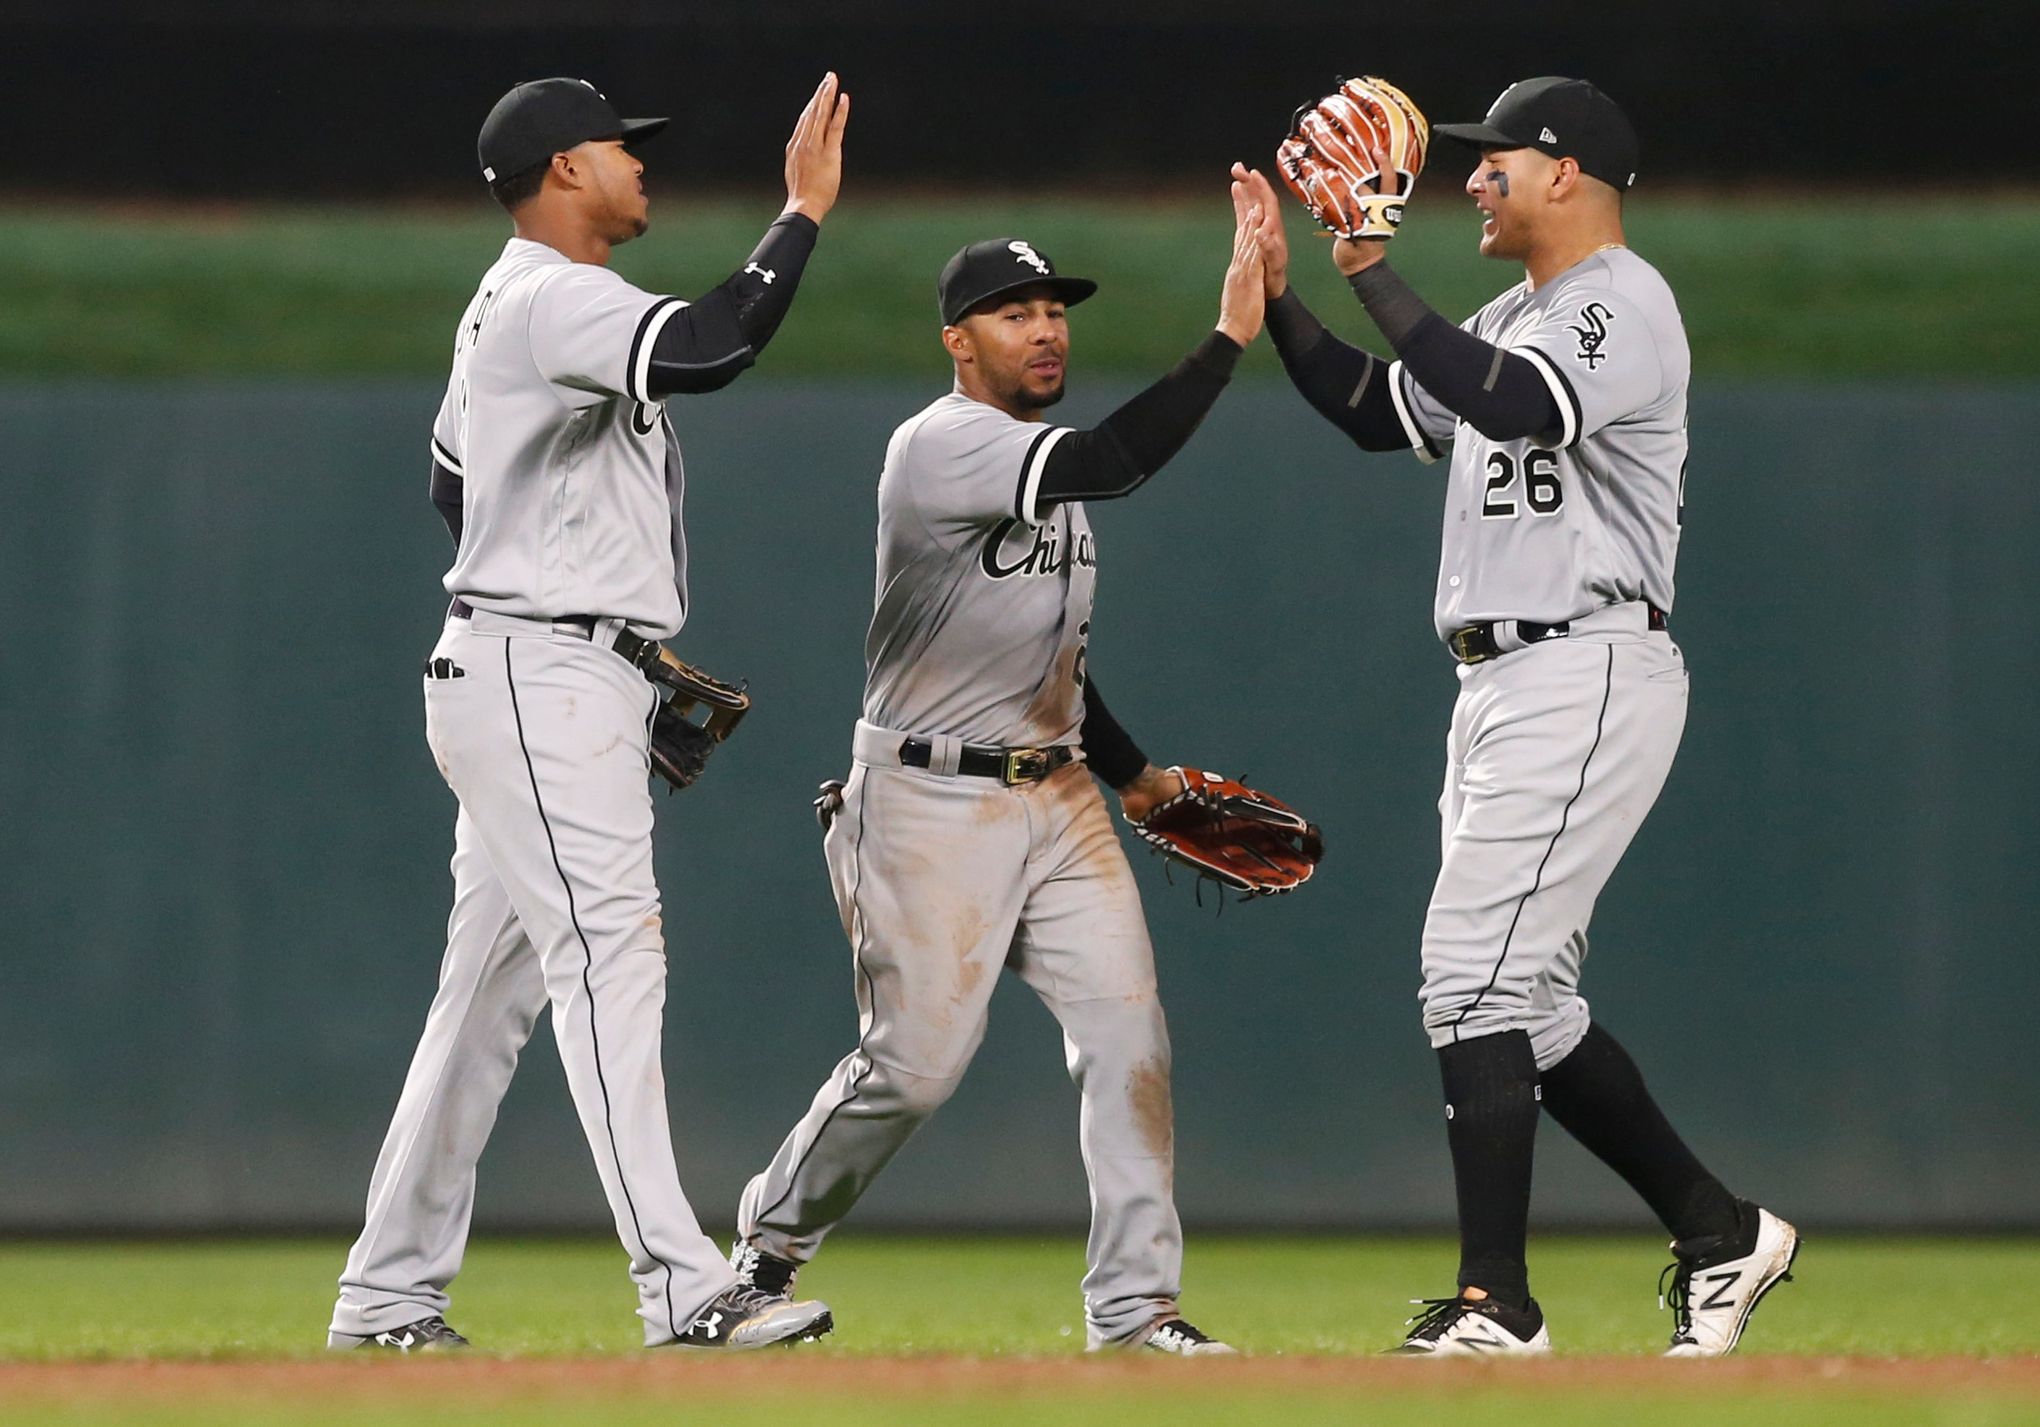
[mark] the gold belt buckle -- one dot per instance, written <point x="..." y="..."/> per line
<point x="1024" y="765"/>
<point x="1461" y="645"/>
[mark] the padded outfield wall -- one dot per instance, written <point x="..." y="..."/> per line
<point x="225" y="844"/>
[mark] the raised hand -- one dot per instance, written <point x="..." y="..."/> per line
<point x="814" y="155"/>
<point x="1274" y="241"/>
<point x="1242" y="302"/>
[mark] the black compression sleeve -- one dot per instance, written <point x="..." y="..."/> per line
<point x="446" y="489"/>
<point x="763" y="289"/>
<point x="1114" y="457"/>
<point x="1500" y="394"/>
<point x="1347" y="385"/>
<point x="1108" y="748"/>
<point x="707" y="344"/>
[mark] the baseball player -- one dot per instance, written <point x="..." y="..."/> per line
<point x="970" y="836"/>
<point x="1563" y="406"/>
<point x="556" y="463"/>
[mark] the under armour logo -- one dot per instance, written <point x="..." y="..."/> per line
<point x="1025" y="252"/>
<point x="765" y="273"/>
<point x="710" y="1325"/>
<point x="403" y="1344"/>
<point x="1547" y="136"/>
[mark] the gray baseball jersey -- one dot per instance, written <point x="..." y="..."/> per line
<point x="942" y="879"/>
<point x="571" y="471"/>
<point x="983" y="602"/>
<point x="1552" y="528"/>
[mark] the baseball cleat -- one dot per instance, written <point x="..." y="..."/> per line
<point x="752" y="1318"/>
<point x="427" y="1335"/>
<point x="1474" y="1328"/>
<point x="1185" y="1340"/>
<point x="768" y="1273"/>
<point x="1716" y="1283"/>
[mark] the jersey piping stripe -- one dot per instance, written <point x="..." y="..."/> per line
<point x="1600" y="722"/>
<point x="857" y="965"/>
<point x="1031" y="468"/>
<point x="447" y="459"/>
<point x="1420" y="439"/>
<point x="587" y="989"/>
<point x="638" y="370"/>
<point x="1570" y="418"/>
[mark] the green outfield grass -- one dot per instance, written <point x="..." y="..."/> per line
<point x="1823" y="288"/>
<point x="989" y="1332"/>
<point x="261" y="1298"/>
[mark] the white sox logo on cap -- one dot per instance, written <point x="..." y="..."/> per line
<point x="1027" y="255"/>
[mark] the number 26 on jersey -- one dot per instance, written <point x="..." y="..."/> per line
<point x="1540" y="488"/>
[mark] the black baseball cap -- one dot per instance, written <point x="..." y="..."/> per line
<point x="543" y="117"/>
<point x="1565" y="118"/>
<point x="998" y="266"/>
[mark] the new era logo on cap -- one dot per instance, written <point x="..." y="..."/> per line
<point x="1547" y="136"/>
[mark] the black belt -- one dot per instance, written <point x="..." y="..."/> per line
<point x="1476" y="644"/>
<point x="1008" y="765"/>
<point x="642" y="654"/>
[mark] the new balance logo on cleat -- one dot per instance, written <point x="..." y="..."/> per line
<point x="1468" y="1328"/>
<point x="1715" y="1287"/>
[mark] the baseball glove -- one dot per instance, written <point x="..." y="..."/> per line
<point x="1239" y="837"/>
<point x="680" y="743"/>
<point x="1339" y="147"/>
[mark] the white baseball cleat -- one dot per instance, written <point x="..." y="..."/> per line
<point x="751" y="1318"/>
<point x="1474" y="1328"/>
<point x="1715" y="1287"/>
<point x="1185" y="1340"/>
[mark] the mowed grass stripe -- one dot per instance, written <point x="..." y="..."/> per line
<point x="1877" y="1296"/>
<point x="803" y="1388"/>
<point x="1805" y="288"/>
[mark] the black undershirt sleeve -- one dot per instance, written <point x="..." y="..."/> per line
<point x="707" y="344"/>
<point x="1114" y="457"/>
<point x="446" y="489"/>
<point x="1108" y="748"/>
<point x="1498" y="393"/>
<point x="1346" y="384"/>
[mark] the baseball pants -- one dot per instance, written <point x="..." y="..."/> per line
<point x="543" y="738"/>
<point x="940" y="882"/>
<point x="1556" y="754"/>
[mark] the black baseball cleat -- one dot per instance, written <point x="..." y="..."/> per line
<point x="752" y="1318"/>
<point x="1717" y="1282"/>
<point x="1183" y="1339"/>
<point x="1474" y="1328"/>
<point x="768" y="1273"/>
<point x="427" y="1335"/>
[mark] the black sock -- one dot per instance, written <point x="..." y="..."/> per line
<point x="1491" y="1124"/>
<point x="1598" y="1094"/>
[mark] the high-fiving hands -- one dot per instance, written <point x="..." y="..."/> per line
<point x="1274" y="242"/>
<point x="1243" y="302"/>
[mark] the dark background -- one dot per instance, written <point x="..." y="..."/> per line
<point x="377" y="100"/>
